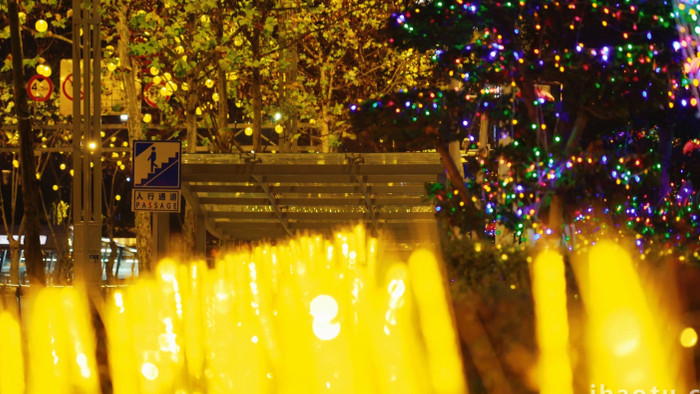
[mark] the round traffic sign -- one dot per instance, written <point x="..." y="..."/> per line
<point x="39" y="88"/>
<point x="151" y="93"/>
<point x="67" y="88"/>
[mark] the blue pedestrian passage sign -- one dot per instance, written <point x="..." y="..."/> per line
<point x="156" y="176"/>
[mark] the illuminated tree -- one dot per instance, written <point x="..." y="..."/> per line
<point x="344" y="55"/>
<point x="580" y="100"/>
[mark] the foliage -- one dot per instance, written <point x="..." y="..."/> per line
<point x="580" y="102"/>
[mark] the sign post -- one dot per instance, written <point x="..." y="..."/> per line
<point x="157" y="186"/>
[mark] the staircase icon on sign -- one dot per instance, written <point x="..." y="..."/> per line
<point x="161" y="174"/>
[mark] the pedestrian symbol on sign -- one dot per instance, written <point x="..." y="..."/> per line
<point x="152" y="159"/>
<point x="157" y="164"/>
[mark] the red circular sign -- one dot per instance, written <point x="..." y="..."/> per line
<point x="152" y="92"/>
<point x="67" y="88"/>
<point x="39" y="88"/>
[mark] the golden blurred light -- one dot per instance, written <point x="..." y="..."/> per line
<point x="41" y="25"/>
<point x="260" y="319"/>
<point x="323" y="308"/>
<point x="149" y="371"/>
<point x="689" y="337"/>
<point x="552" y="326"/>
<point x="248" y="131"/>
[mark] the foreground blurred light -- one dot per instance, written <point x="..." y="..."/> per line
<point x="11" y="358"/>
<point x="627" y="350"/>
<point x="689" y="337"/>
<point x="308" y="316"/>
<point x="323" y="308"/>
<point x="149" y="371"/>
<point x="552" y="326"/>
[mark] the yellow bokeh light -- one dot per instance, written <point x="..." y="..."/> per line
<point x="688" y="337"/>
<point x="41" y="26"/>
<point x="323" y="308"/>
<point x="149" y="371"/>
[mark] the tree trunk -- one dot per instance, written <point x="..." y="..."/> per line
<point x="222" y="112"/>
<point x="109" y="265"/>
<point x="576" y="132"/>
<point x="555" y="219"/>
<point x="64" y="262"/>
<point x="221" y="88"/>
<point x="33" y="255"/>
<point x="453" y="173"/>
<point x="666" y="148"/>
<point x="256" y="88"/>
<point x="325" y="131"/>
<point x="14" y="259"/>
<point x="188" y="226"/>
<point x="191" y="119"/>
<point x="142" y="220"/>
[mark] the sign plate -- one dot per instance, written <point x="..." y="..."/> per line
<point x="157" y="164"/>
<point x="39" y="88"/>
<point x="155" y="200"/>
<point x="156" y="176"/>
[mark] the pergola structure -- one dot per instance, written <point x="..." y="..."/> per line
<point x="273" y="195"/>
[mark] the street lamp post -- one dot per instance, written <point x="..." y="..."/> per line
<point x="87" y="143"/>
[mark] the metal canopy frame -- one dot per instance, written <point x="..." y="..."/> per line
<point x="268" y="196"/>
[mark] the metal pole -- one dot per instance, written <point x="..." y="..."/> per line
<point x="87" y="144"/>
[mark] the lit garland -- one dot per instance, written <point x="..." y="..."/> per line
<point x="621" y="64"/>
<point x="686" y="12"/>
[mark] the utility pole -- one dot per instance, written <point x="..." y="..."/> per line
<point x="87" y="143"/>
